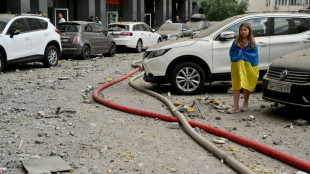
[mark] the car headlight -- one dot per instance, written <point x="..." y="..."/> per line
<point x="172" y="37"/>
<point x="158" y="53"/>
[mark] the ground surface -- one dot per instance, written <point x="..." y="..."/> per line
<point x="51" y="112"/>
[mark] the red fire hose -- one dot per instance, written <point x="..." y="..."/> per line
<point x="300" y="164"/>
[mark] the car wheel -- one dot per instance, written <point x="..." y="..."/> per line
<point x="188" y="78"/>
<point x="112" y="50"/>
<point x="139" y="46"/>
<point x="1" y="62"/>
<point x="51" y="56"/>
<point x="85" y="54"/>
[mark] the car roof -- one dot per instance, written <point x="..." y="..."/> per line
<point x="127" y="23"/>
<point x="77" y="22"/>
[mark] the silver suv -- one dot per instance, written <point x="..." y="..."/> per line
<point x="28" y="38"/>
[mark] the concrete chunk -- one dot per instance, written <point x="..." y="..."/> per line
<point x="46" y="165"/>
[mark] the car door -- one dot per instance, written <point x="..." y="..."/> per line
<point x="221" y="58"/>
<point x="38" y="36"/>
<point x="144" y="35"/>
<point x="150" y="37"/>
<point x="100" y="42"/>
<point x="19" y="45"/>
<point x="88" y="37"/>
<point x="289" y="34"/>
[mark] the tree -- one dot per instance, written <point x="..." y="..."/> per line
<point x="218" y="10"/>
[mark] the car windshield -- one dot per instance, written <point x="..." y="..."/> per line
<point x="216" y="26"/>
<point x="169" y="27"/>
<point x="195" y="25"/>
<point x="66" y="27"/>
<point x="118" y="27"/>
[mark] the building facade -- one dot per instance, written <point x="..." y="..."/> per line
<point x="277" y="5"/>
<point x="153" y="12"/>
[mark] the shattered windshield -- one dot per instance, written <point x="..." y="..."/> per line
<point x="118" y="27"/>
<point x="216" y="27"/>
<point x="169" y="27"/>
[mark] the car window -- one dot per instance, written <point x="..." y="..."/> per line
<point x="88" y="28"/>
<point x="118" y="27"/>
<point x="284" y="26"/>
<point x="169" y="27"/>
<point x="34" y="24"/>
<point x="136" y="28"/>
<point x="142" y="28"/>
<point x="96" y="28"/>
<point x="43" y="23"/>
<point x="65" y="27"/>
<point x="259" y="27"/>
<point x="148" y="28"/>
<point x="18" y="24"/>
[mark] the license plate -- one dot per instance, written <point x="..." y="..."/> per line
<point x="64" y="40"/>
<point x="279" y="87"/>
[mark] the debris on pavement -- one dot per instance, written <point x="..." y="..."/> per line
<point x="46" y="165"/>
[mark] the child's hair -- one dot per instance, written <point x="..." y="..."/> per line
<point x="251" y="37"/>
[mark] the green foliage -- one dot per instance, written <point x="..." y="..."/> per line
<point x="218" y="10"/>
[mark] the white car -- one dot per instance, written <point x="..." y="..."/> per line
<point x="189" y="64"/>
<point x="27" y="38"/>
<point x="136" y="35"/>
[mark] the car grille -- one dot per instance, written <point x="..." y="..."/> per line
<point x="292" y="76"/>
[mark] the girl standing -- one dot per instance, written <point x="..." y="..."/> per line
<point x="244" y="66"/>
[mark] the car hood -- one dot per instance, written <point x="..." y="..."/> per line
<point x="165" y="33"/>
<point x="172" y="44"/>
<point x="298" y="61"/>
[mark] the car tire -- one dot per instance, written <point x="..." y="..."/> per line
<point x="139" y="46"/>
<point x="112" y="50"/>
<point x="188" y="78"/>
<point x="85" y="54"/>
<point x="51" y="56"/>
<point x="1" y="62"/>
<point x="159" y="40"/>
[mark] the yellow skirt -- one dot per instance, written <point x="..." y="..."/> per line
<point x="244" y="75"/>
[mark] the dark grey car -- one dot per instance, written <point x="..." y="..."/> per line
<point x="172" y="31"/>
<point x="80" y="38"/>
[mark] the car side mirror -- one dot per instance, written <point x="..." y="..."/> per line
<point x="153" y="30"/>
<point x="227" y="35"/>
<point x="14" y="32"/>
<point x="184" y="29"/>
<point x="105" y="32"/>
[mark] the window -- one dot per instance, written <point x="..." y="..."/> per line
<point x="142" y="27"/>
<point x="267" y="3"/>
<point x="43" y="23"/>
<point x="148" y="28"/>
<point x="259" y="27"/>
<point x="34" y="24"/>
<point x="136" y="28"/>
<point x="285" y="26"/>
<point x="87" y="28"/>
<point x="96" y="28"/>
<point x="18" y="24"/>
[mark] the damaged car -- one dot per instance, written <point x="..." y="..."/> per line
<point x="288" y="80"/>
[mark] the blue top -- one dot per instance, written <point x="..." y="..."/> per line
<point x="247" y="54"/>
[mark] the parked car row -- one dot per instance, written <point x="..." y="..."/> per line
<point x="28" y="38"/>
